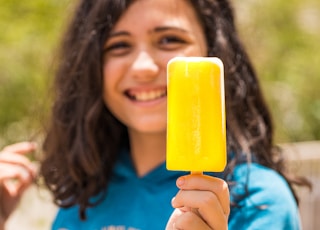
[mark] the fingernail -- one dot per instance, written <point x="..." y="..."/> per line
<point x="172" y="200"/>
<point x="34" y="144"/>
<point x="180" y="181"/>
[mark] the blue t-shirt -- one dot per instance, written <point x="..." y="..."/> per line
<point x="144" y="202"/>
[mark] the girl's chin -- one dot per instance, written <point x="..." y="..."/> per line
<point x="148" y="128"/>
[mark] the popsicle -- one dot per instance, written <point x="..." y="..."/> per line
<point x="196" y="122"/>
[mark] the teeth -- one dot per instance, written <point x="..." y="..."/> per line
<point x="148" y="96"/>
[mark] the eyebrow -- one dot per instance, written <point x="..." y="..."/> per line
<point x="157" y="29"/>
<point x="120" y="33"/>
<point x="165" y="28"/>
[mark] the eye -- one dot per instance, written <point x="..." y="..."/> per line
<point x="171" y="39"/>
<point x="171" y="42"/>
<point x="117" y="48"/>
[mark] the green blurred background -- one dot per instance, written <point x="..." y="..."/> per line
<point x="282" y="37"/>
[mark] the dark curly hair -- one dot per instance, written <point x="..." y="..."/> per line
<point x="84" y="138"/>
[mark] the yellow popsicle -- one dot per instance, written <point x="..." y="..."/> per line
<point x="196" y="122"/>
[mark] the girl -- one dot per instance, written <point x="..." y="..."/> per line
<point x="104" y="152"/>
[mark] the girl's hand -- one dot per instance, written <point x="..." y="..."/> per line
<point x="202" y="203"/>
<point x="16" y="174"/>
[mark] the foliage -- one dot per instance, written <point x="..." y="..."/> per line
<point x="283" y="40"/>
<point x="281" y="36"/>
<point x="29" y="34"/>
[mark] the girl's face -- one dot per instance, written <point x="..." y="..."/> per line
<point x="146" y="37"/>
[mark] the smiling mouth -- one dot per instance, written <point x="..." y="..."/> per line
<point x="145" y="96"/>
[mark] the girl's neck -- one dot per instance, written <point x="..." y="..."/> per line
<point x="147" y="151"/>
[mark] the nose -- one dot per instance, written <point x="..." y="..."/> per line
<point x="144" y="67"/>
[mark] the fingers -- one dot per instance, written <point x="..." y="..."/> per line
<point x="190" y="220"/>
<point x="13" y="159"/>
<point x="14" y="155"/>
<point x="21" y="147"/>
<point x="15" y="178"/>
<point x="185" y="220"/>
<point x="216" y="189"/>
<point x="207" y="197"/>
<point x="16" y="171"/>
<point x="15" y="187"/>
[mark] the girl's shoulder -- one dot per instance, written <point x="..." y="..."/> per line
<point x="262" y="199"/>
<point x="257" y="176"/>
